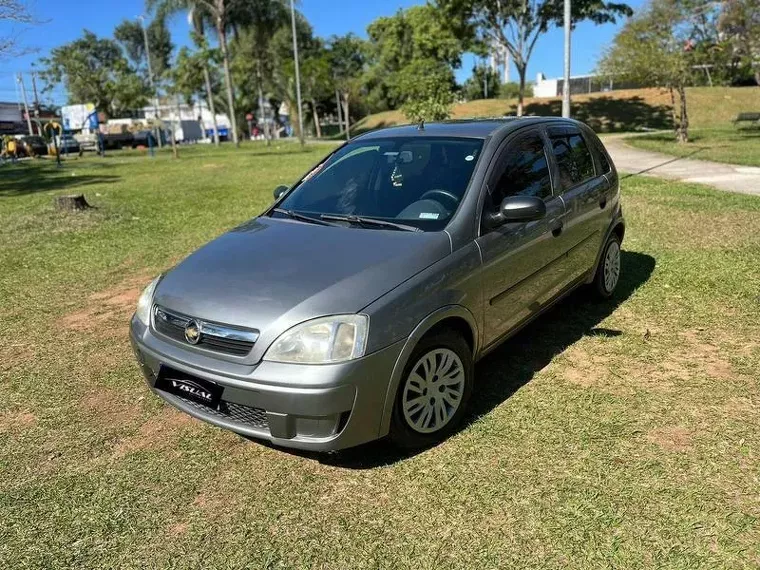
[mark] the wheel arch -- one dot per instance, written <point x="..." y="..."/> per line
<point x="455" y="317"/>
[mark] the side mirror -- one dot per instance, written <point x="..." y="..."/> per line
<point x="279" y="191"/>
<point x="517" y="209"/>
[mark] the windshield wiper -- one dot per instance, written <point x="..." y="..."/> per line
<point x="369" y="222"/>
<point x="301" y="218"/>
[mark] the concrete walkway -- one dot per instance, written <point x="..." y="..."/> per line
<point x="728" y="177"/>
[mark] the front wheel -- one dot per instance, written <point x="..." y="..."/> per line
<point x="433" y="392"/>
<point x="608" y="272"/>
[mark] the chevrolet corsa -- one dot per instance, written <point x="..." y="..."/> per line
<point x="355" y="307"/>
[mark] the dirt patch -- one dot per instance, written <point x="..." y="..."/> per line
<point x="109" y="408"/>
<point x="156" y="433"/>
<point x="14" y="421"/>
<point x="112" y="304"/>
<point x="676" y="439"/>
<point x="177" y="529"/>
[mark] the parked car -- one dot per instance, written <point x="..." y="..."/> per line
<point x="356" y="305"/>
<point x="34" y="145"/>
<point x="67" y="144"/>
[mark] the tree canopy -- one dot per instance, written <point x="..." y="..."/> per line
<point x="95" y="70"/>
<point x="656" y="47"/>
<point x="517" y="24"/>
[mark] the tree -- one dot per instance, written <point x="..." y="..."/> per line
<point x="94" y="70"/>
<point x="656" y="48"/>
<point x="12" y="11"/>
<point x="130" y="35"/>
<point x="419" y="33"/>
<point x="516" y="25"/>
<point x="739" y="28"/>
<point x="218" y="13"/>
<point x="253" y="65"/>
<point x="428" y="86"/>
<point x="482" y="77"/>
<point x="316" y="83"/>
<point x="204" y="57"/>
<point x="347" y="61"/>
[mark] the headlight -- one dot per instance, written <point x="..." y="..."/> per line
<point x="322" y="341"/>
<point x="145" y="301"/>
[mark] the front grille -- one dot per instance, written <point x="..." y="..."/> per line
<point x="250" y="417"/>
<point x="219" y="338"/>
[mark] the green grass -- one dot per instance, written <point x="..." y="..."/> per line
<point x="727" y="144"/>
<point x="621" y="435"/>
<point x="615" y="111"/>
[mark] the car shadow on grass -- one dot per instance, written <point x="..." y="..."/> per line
<point x="511" y="366"/>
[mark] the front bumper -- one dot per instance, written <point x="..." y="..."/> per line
<point x="314" y="407"/>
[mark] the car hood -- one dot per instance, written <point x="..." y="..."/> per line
<point x="269" y="274"/>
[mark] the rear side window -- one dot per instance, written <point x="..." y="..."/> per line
<point x="573" y="159"/>
<point x="524" y="170"/>
<point x="604" y="164"/>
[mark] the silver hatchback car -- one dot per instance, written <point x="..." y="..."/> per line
<point x="355" y="307"/>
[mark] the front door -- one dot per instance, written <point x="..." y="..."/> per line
<point x="522" y="262"/>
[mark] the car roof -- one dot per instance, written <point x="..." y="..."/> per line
<point x="466" y="128"/>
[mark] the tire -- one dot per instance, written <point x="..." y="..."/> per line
<point x="608" y="272"/>
<point x="421" y="424"/>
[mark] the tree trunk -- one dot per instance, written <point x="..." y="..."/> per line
<point x="684" y="126"/>
<point x="73" y="203"/>
<point x="227" y="79"/>
<point x="315" y="114"/>
<point x="346" y="116"/>
<point x="340" y="117"/>
<point x="265" y="123"/>
<point x="210" y="98"/>
<point x="521" y="69"/>
<point x="673" y="113"/>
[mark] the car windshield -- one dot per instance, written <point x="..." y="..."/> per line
<point x="414" y="181"/>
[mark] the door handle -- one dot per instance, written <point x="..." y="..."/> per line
<point x="557" y="229"/>
<point x="603" y="202"/>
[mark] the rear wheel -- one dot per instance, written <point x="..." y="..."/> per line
<point x="433" y="392"/>
<point x="608" y="272"/>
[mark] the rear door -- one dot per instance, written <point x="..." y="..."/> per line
<point x="584" y="192"/>
<point x="518" y="258"/>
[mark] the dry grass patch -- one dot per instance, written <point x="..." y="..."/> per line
<point x="676" y="439"/>
<point x="105" y="307"/>
<point x="11" y="421"/>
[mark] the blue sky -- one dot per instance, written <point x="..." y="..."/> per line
<point x="67" y="18"/>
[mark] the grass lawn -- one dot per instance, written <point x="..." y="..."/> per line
<point x="623" y="434"/>
<point x="727" y="144"/>
<point x="614" y="111"/>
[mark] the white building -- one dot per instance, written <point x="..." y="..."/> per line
<point x="195" y="121"/>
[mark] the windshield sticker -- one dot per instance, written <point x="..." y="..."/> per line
<point x="429" y="216"/>
<point x="469" y="157"/>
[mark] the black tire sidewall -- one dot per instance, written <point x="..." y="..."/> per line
<point x="600" y="287"/>
<point x="401" y="434"/>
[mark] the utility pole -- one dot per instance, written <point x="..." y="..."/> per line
<point x="26" y="103"/>
<point x="36" y="97"/>
<point x="150" y="76"/>
<point x="566" y="82"/>
<point x="298" y="77"/>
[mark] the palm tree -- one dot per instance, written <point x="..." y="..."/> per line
<point x="217" y="12"/>
<point x="196" y="20"/>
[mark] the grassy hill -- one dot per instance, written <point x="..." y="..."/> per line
<point x="616" y="111"/>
